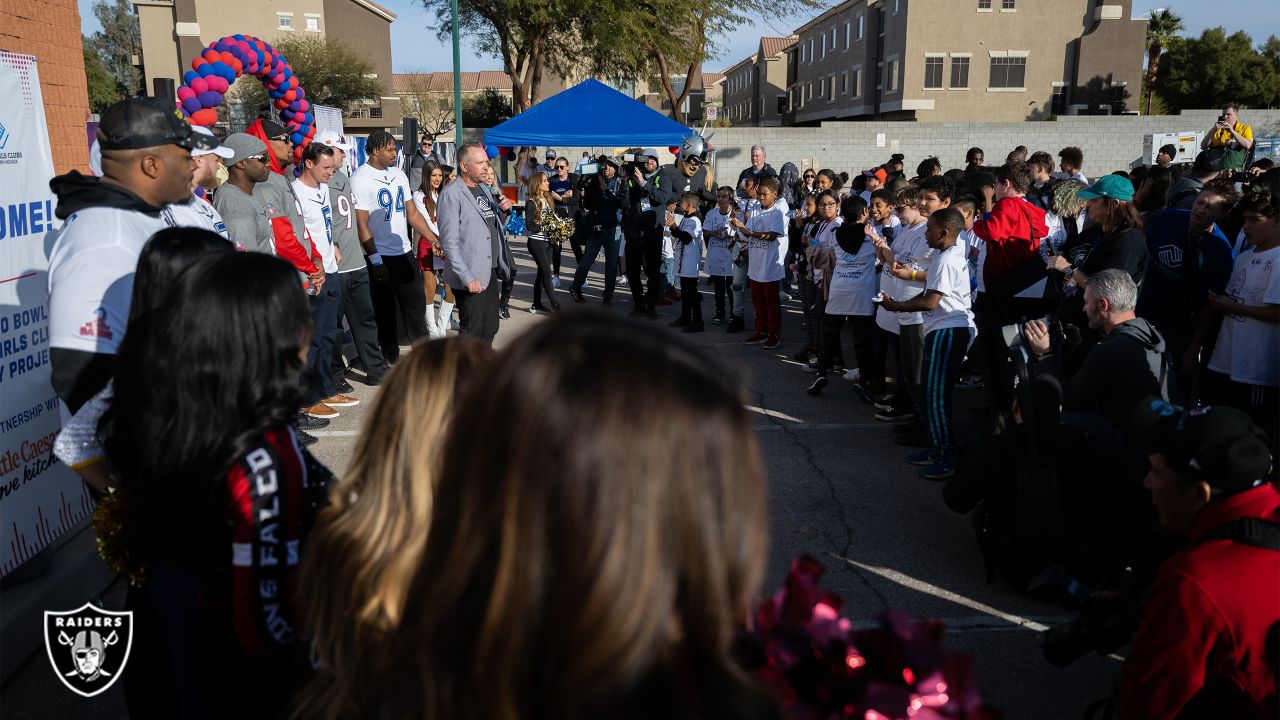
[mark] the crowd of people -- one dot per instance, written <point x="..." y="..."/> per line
<point x="1123" y="341"/>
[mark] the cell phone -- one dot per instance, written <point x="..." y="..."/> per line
<point x="879" y="298"/>
<point x="590" y="169"/>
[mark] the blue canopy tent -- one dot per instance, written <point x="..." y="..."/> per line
<point x="588" y="114"/>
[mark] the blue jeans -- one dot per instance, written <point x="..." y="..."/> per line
<point x="610" y="239"/>
<point x="739" y="289"/>
<point x="325" y="308"/>
<point x="668" y="274"/>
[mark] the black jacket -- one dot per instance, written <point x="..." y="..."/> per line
<point x="602" y="199"/>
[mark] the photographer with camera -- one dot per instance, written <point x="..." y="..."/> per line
<point x="1129" y="364"/>
<point x="604" y="195"/>
<point x="1210" y="624"/>
<point x="642" y="229"/>
<point x="1232" y="137"/>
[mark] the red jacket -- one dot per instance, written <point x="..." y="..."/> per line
<point x="299" y="251"/>
<point x="1208" y="614"/>
<point x="1012" y="233"/>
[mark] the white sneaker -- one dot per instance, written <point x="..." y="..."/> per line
<point x="555" y="282"/>
<point x="586" y="285"/>
<point x="783" y="296"/>
<point x="622" y="281"/>
<point x="853" y="375"/>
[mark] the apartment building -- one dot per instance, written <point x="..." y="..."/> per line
<point x="755" y="89"/>
<point x="965" y="60"/>
<point x="176" y="31"/>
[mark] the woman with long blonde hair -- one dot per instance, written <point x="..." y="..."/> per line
<point x="368" y="543"/>
<point x="607" y="583"/>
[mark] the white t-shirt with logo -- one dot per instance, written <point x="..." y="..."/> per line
<point x="853" y="282"/>
<point x="420" y="202"/>
<point x="91" y="266"/>
<point x="764" y="259"/>
<point x="317" y="213"/>
<point x="1248" y="349"/>
<point x="823" y="235"/>
<point x="196" y="212"/>
<point x="383" y="194"/>
<point x="911" y="249"/>
<point x="720" y="236"/>
<point x="949" y="276"/>
<point x="689" y="257"/>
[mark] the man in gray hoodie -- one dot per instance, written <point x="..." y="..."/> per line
<point x="1128" y="365"/>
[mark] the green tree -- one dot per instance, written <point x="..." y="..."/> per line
<point x="1162" y="26"/>
<point x="1271" y="52"/>
<point x="1214" y="69"/>
<point x="118" y="45"/>
<point x="103" y="89"/>
<point x="668" y="39"/>
<point x="486" y="109"/>
<point x="529" y="36"/>
<point x="331" y="72"/>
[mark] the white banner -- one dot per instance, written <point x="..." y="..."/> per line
<point x="39" y="497"/>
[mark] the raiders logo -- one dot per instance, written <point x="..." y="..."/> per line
<point x="88" y="647"/>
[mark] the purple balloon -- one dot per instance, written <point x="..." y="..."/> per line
<point x="295" y="106"/>
<point x="191" y="105"/>
<point x="209" y="99"/>
<point x="287" y="115"/>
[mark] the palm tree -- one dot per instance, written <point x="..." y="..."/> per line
<point x="1162" y="26"/>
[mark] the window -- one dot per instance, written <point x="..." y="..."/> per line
<point x="848" y="32"/>
<point x="984" y="4"/>
<point x="857" y="82"/>
<point x="1058" y="103"/>
<point x="959" y="72"/>
<point x="833" y="38"/>
<point x="286" y="21"/>
<point x="893" y="76"/>
<point x="803" y="56"/>
<point x="782" y="104"/>
<point x="313" y="23"/>
<point x="933" y="72"/>
<point x="860" y="26"/>
<point x="1007" y="72"/>
<point x="824" y="45"/>
<point x="897" y="5"/>
<point x="810" y="51"/>
<point x="375" y="111"/>
<point x="1006" y="5"/>
<point x="844" y="83"/>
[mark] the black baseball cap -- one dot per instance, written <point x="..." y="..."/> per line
<point x="1219" y="444"/>
<point x="273" y="129"/>
<point x="142" y="122"/>
<point x="1209" y="161"/>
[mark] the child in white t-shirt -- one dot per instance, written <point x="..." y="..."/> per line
<point x="765" y="268"/>
<point x="719" y="237"/>
<point x="1245" y="364"/>
<point x="905" y="271"/>
<point x="686" y="235"/>
<point x="949" y="330"/>
<point x="849" y="272"/>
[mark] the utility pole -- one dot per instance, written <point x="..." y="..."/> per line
<point x="457" y="80"/>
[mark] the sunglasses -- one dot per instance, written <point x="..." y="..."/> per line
<point x="808" y="177"/>
<point x="694" y="161"/>
<point x="260" y="158"/>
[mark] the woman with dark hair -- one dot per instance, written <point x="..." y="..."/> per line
<point x="1121" y="245"/>
<point x="608" y="586"/>
<point x="429" y="250"/>
<point x="217" y="497"/>
<point x="828" y="180"/>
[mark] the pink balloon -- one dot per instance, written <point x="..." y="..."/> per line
<point x="199" y="85"/>
<point x="185" y="92"/>
<point x="217" y="84"/>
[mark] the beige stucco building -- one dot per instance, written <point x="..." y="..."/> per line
<point x="176" y="31"/>
<point x="755" y="89"/>
<point x="965" y="60"/>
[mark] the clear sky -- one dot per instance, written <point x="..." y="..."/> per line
<point x="414" y="45"/>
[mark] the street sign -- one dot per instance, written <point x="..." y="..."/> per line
<point x="711" y="113"/>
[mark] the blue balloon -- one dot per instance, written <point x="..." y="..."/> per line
<point x="188" y="76"/>
<point x="275" y="93"/>
<point x="238" y="36"/>
<point x="491" y="151"/>
<point x="206" y="69"/>
<point x="191" y="105"/>
<point x="209" y="99"/>
<point x="287" y="116"/>
<point x="297" y="138"/>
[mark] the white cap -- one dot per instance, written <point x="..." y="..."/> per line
<point x="334" y="140"/>
<point x="221" y="151"/>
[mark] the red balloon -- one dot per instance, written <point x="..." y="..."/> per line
<point x="293" y="81"/>
<point x="226" y="57"/>
<point x="282" y="104"/>
<point x="205" y="117"/>
<point x="675" y="149"/>
<point x="211" y="56"/>
<point x="311" y="132"/>
<point x="196" y="63"/>
<point x="290" y="96"/>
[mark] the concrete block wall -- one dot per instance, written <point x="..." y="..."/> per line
<point x="51" y="32"/>
<point x="1109" y="143"/>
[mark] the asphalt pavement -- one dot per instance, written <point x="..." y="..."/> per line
<point x="839" y="490"/>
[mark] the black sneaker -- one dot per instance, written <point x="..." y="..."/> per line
<point x="636" y="311"/>
<point x="678" y="322"/>
<point x="305" y="439"/>
<point x="863" y="392"/>
<point x="306" y="422"/>
<point x="736" y="325"/>
<point x="694" y="328"/>
<point x="576" y="294"/>
<point x="819" y="382"/>
<point x="718" y="319"/>
<point x="803" y="356"/>
<point x="504" y="313"/>
<point x="343" y="387"/>
<point x="896" y="415"/>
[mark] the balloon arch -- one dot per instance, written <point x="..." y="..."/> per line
<point x="213" y="73"/>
